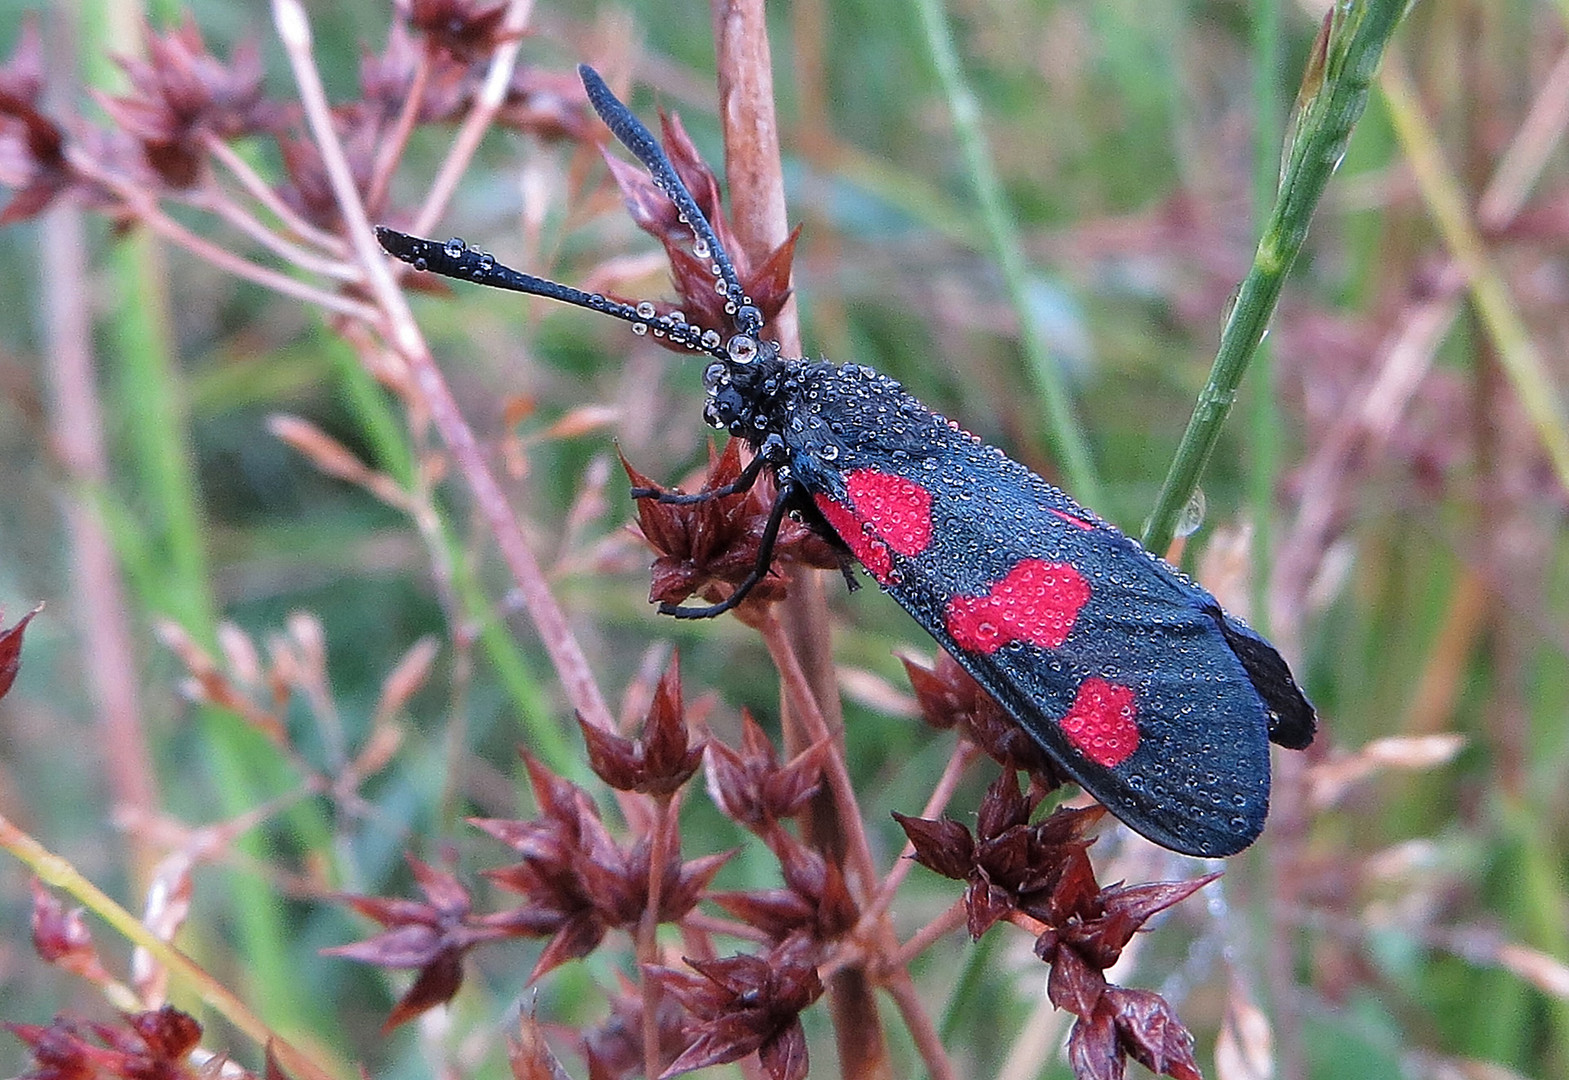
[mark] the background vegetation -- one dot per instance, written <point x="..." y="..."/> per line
<point x="1385" y="502"/>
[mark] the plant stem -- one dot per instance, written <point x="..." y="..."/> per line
<point x="555" y="632"/>
<point x="1264" y="436"/>
<point x="58" y="873"/>
<point x="389" y="439"/>
<point x="1335" y="92"/>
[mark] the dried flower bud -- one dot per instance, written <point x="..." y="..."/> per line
<point x="1131" y="1023"/>
<point x="579" y="882"/>
<point x="11" y="650"/>
<point x="183" y="95"/>
<point x="431" y="935"/>
<point x="815" y="900"/>
<point x="768" y="284"/>
<point x="659" y="762"/>
<point x="32" y="146"/>
<point x="1040" y="870"/>
<point x="749" y="785"/>
<point x="549" y="104"/>
<point x="614" y="1049"/>
<point x="151" y="1044"/>
<point x="61" y="937"/>
<point x="949" y="697"/>
<point x="739" y="1004"/>
<point x="465" y="30"/>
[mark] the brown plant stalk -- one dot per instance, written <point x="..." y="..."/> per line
<point x="555" y="633"/>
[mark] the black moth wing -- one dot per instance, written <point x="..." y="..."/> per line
<point x="1195" y="775"/>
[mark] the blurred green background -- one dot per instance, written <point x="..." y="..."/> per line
<point x="1408" y="545"/>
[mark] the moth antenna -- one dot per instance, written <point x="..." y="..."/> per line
<point x="455" y="259"/>
<point x="632" y="134"/>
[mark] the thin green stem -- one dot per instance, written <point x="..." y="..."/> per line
<point x="388" y="439"/>
<point x="1335" y="92"/>
<point x="159" y="436"/>
<point x="1265" y="414"/>
<point x="58" y="873"/>
<point x="1067" y="435"/>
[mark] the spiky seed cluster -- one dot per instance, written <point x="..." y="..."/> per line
<point x="580" y="883"/>
<point x="1042" y="873"/>
<point x="950" y="698"/>
<point x="184" y="100"/>
<point x="143" y="1046"/>
<point x="659" y="762"/>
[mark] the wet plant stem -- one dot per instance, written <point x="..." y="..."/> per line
<point x="1334" y="95"/>
<point x="648" y="931"/>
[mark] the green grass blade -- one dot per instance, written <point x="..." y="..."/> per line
<point x="1335" y="92"/>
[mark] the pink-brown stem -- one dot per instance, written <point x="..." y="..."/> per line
<point x="923" y="939"/>
<point x="77" y="432"/>
<point x="215" y="200"/>
<point x="556" y="634"/>
<point x="648" y="929"/>
<point x="798" y="692"/>
<point x="963" y="755"/>
<point x="391" y="150"/>
<point x="146" y="210"/>
<point x="264" y="194"/>
<point x="492" y="94"/>
<point x="755" y="174"/>
<point x="712" y="924"/>
<point x="928" y="1041"/>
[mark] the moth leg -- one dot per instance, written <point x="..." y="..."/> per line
<point x="744" y="482"/>
<point x="765" y="558"/>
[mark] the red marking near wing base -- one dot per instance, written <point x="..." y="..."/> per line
<point x="1036" y="602"/>
<point x="1101" y="724"/>
<point x="872" y="552"/>
<point x="898" y="510"/>
<point x="1071" y="520"/>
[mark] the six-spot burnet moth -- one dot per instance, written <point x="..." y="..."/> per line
<point x="1129" y="675"/>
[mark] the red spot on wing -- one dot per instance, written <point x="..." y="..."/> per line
<point x="898" y="510"/>
<point x="1036" y="602"/>
<point x="1076" y="521"/>
<point x="872" y="552"/>
<point x="1101" y="724"/>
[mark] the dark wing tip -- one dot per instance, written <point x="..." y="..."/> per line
<point x="1292" y="720"/>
